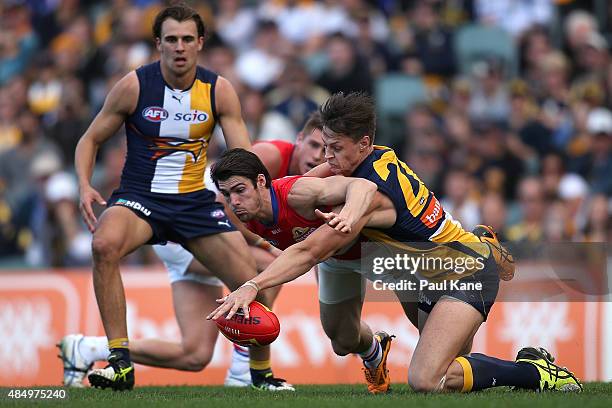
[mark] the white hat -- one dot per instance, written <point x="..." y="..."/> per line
<point x="61" y="186"/>
<point x="597" y="41"/>
<point x="572" y="186"/>
<point x="599" y="121"/>
<point x="45" y="164"/>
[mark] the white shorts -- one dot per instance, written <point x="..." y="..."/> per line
<point x="340" y="280"/>
<point x="177" y="259"/>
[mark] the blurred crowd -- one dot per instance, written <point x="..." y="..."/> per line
<point x="511" y="127"/>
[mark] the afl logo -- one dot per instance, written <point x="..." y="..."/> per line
<point x="154" y="114"/>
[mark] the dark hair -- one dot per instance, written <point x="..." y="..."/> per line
<point x="239" y="162"/>
<point x="353" y="115"/>
<point x="313" y="122"/>
<point x="179" y="12"/>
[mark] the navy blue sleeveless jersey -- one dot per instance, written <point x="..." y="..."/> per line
<point x="168" y="133"/>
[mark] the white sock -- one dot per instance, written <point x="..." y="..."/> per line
<point x="94" y="348"/>
<point x="373" y="355"/>
<point x="240" y="359"/>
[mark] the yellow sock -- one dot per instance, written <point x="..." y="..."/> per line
<point x="260" y="365"/>
<point x="121" y="342"/>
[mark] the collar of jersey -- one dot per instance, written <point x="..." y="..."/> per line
<point x="274" y="203"/>
<point x="167" y="85"/>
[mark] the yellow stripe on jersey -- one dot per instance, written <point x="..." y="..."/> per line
<point x="414" y="203"/>
<point x="193" y="171"/>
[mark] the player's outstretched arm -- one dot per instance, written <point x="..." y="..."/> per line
<point x="120" y="102"/>
<point x="230" y="115"/>
<point x="292" y="263"/>
<point x="356" y="194"/>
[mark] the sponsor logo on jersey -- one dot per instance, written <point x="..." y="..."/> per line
<point x="165" y="146"/>
<point x="217" y="214"/>
<point x="193" y="117"/>
<point x="301" y="233"/>
<point x="432" y="213"/>
<point x="154" y="114"/>
<point x="134" y="205"/>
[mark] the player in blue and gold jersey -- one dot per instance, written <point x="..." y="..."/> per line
<point x="408" y="217"/>
<point x="169" y="109"/>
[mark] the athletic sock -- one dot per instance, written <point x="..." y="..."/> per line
<point x="481" y="371"/>
<point x="94" y="348"/>
<point x="260" y="370"/>
<point x="119" y="349"/>
<point x="240" y="353"/>
<point x="373" y="355"/>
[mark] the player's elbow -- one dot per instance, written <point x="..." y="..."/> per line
<point x="368" y="186"/>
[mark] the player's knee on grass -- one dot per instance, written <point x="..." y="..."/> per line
<point x="425" y="380"/>
<point x="454" y="376"/>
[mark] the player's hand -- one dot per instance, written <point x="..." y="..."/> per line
<point x="335" y="220"/>
<point x="88" y="195"/>
<point x="241" y="298"/>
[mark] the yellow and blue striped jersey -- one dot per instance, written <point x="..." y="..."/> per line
<point x="168" y="133"/>
<point x="420" y="216"/>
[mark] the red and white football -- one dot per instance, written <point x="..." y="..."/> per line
<point x="260" y="329"/>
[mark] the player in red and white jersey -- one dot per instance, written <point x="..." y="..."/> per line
<point x="282" y="158"/>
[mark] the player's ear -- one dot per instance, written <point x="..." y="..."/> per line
<point x="300" y="137"/>
<point x="364" y="142"/>
<point x="158" y="43"/>
<point x="261" y="181"/>
<point x="200" y="43"/>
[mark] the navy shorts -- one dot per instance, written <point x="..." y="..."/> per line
<point x="176" y="217"/>
<point x="462" y="290"/>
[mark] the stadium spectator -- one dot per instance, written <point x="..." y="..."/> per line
<point x="530" y="227"/>
<point x="295" y="96"/>
<point x="261" y="65"/>
<point x="493" y="213"/>
<point x="489" y="97"/>
<point x="599" y="222"/>
<point x="346" y="72"/>
<point x="235" y="24"/>
<point x="18" y="41"/>
<point x="433" y="43"/>
<point x="458" y="198"/>
<point x="514" y="16"/>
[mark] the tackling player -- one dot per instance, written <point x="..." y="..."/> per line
<point x="448" y="320"/>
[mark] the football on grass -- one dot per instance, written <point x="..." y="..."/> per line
<point x="260" y="329"/>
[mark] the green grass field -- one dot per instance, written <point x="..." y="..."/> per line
<point x="309" y="396"/>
